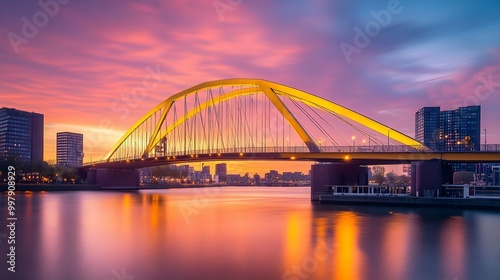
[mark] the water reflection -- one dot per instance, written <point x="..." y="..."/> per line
<point x="348" y="258"/>
<point x="397" y="234"/>
<point x="453" y="243"/>
<point x="246" y="233"/>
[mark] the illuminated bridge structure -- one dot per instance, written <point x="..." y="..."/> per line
<point x="255" y="119"/>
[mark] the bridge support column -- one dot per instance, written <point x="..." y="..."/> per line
<point x="429" y="176"/>
<point x="324" y="174"/>
<point x="114" y="178"/>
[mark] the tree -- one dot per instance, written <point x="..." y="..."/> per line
<point x="403" y="180"/>
<point x="391" y="178"/>
<point x="165" y="171"/>
<point x="378" y="174"/>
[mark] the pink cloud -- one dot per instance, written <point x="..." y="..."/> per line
<point x="91" y="55"/>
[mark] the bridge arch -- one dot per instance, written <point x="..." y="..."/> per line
<point x="272" y="91"/>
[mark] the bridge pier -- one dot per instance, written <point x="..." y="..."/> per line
<point x="114" y="178"/>
<point x="323" y="174"/>
<point x="427" y="177"/>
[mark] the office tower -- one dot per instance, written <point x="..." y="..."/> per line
<point x="450" y="130"/>
<point x="427" y="126"/>
<point x="69" y="149"/>
<point x="21" y="135"/>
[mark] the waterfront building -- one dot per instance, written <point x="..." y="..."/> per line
<point x="427" y="126"/>
<point x="273" y="176"/>
<point x="496" y="175"/>
<point x="450" y="130"/>
<point x="21" y="135"/>
<point x="205" y="170"/>
<point x="221" y="171"/>
<point x="233" y="179"/>
<point x="69" y="150"/>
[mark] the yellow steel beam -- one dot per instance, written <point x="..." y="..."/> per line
<point x="330" y="106"/>
<point x="302" y="96"/>
<point x="151" y="142"/>
<point x="289" y="117"/>
<point x="203" y="106"/>
<point x="169" y="101"/>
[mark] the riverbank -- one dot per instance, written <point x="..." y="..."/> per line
<point x="85" y="187"/>
<point x="51" y="187"/>
<point x="447" y="202"/>
<point x="88" y="187"/>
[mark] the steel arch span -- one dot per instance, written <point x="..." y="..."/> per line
<point x="249" y="116"/>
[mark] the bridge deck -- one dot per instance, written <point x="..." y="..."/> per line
<point x="366" y="158"/>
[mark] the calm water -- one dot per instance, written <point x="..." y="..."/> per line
<point x="243" y="233"/>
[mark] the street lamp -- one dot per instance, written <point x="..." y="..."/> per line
<point x="364" y="142"/>
<point x="485" y="138"/>
<point x="354" y="141"/>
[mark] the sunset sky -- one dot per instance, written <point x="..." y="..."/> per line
<point x="74" y="60"/>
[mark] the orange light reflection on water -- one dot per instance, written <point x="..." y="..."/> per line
<point x="396" y="245"/>
<point x="348" y="257"/>
<point x="453" y="247"/>
<point x="50" y="232"/>
<point x="292" y="249"/>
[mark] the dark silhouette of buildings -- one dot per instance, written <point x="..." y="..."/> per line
<point x="221" y="171"/>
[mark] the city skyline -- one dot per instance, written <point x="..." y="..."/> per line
<point x="82" y="83"/>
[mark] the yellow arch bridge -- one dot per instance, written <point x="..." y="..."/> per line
<point x="254" y="119"/>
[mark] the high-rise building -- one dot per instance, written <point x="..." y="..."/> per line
<point x="451" y="130"/>
<point x="205" y="169"/>
<point x="69" y="149"/>
<point x="496" y="175"/>
<point x="427" y="126"/>
<point x="205" y="175"/>
<point x="221" y="171"/>
<point x="21" y="135"/>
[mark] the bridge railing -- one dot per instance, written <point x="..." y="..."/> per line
<point x="287" y="149"/>
<point x="374" y="149"/>
<point x="303" y="149"/>
<point x="490" y="148"/>
<point x="247" y="151"/>
<point x="468" y="148"/>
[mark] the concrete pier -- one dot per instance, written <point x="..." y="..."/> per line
<point x="428" y="177"/>
<point x="114" y="178"/>
<point x="324" y="175"/>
